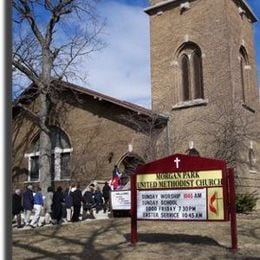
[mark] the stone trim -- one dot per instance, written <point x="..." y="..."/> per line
<point x="247" y="107"/>
<point x="161" y="4"/>
<point x="190" y="103"/>
<point x="244" y="6"/>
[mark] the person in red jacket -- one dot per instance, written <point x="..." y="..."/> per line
<point x="116" y="178"/>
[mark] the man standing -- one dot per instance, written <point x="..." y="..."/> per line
<point x="38" y="203"/>
<point x="17" y="207"/>
<point x="106" y="193"/>
<point x="28" y="204"/>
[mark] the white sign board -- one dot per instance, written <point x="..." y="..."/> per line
<point x="189" y="204"/>
<point x="121" y="200"/>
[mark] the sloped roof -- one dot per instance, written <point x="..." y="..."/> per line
<point x="31" y="92"/>
<point x="103" y="97"/>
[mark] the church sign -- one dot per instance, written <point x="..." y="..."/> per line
<point x="172" y="204"/>
<point x="183" y="188"/>
<point x="181" y="195"/>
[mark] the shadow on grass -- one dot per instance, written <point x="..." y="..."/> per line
<point x="175" y="238"/>
<point x="47" y="241"/>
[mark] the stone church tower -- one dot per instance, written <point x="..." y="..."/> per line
<point x="204" y="79"/>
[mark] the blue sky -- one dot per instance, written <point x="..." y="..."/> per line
<point x="122" y="69"/>
<point x="255" y="5"/>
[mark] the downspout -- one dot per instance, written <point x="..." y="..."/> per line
<point x="168" y="138"/>
<point x="167" y="134"/>
<point x="168" y="141"/>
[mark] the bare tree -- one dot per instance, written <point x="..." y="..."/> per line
<point x="49" y="39"/>
<point x="228" y="131"/>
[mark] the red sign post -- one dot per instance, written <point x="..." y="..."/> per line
<point x="232" y="209"/>
<point x="183" y="188"/>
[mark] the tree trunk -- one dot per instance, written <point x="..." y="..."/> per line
<point x="45" y="147"/>
<point x="45" y="141"/>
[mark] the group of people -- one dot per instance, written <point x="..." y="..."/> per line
<point x="27" y="202"/>
<point x="58" y="206"/>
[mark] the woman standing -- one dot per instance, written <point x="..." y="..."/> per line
<point x="57" y="205"/>
<point x="68" y="204"/>
<point x="76" y="199"/>
<point x="88" y="201"/>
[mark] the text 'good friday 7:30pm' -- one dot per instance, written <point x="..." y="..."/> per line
<point x="189" y="179"/>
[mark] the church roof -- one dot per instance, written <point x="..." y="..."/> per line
<point x="166" y="3"/>
<point x="102" y="97"/>
<point x="31" y="92"/>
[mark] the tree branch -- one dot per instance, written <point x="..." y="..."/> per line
<point x="26" y="11"/>
<point x="34" y="117"/>
<point x="57" y="12"/>
<point x="29" y="72"/>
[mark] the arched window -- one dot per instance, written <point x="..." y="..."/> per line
<point x="197" y="70"/>
<point x="190" y="60"/>
<point x="244" y="75"/>
<point x="185" y="77"/>
<point x="60" y="157"/>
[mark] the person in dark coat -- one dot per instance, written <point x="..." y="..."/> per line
<point x="57" y="205"/>
<point x="98" y="198"/>
<point x="28" y="204"/>
<point x="88" y="201"/>
<point x="17" y="207"/>
<point x="106" y="193"/>
<point x="76" y="199"/>
<point x="68" y="204"/>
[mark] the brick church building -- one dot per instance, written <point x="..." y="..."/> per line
<point x="205" y="101"/>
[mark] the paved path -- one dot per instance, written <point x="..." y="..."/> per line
<point x="98" y="216"/>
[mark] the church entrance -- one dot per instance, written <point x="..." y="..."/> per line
<point x="127" y="165"/>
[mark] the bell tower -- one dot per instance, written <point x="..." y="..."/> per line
<point x="203" y="73"/>
<point x="200" y="49"/>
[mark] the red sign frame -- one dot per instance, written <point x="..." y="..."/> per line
<point x="184" y="163"/>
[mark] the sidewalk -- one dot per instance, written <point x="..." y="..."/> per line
<point x="98" y="216"/>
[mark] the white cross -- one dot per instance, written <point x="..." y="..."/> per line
<point x="177" y="160"/>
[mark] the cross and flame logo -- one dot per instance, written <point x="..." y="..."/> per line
<point x="213" y="204"/>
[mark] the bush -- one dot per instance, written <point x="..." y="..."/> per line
<point x="246" y="202"/>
